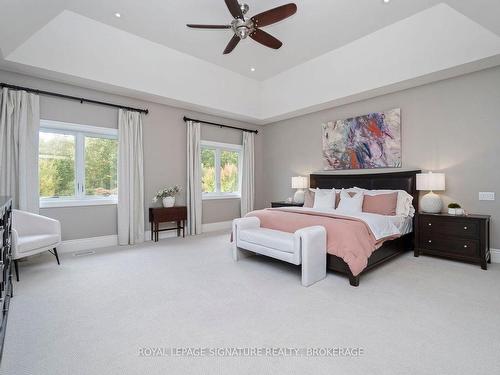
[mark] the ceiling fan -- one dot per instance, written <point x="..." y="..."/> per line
<point x="243" y="27"/>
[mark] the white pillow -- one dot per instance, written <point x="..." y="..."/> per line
<point x="324" y="198"/>
<point x="404" y="206"/>
<point x="350" y="204"/>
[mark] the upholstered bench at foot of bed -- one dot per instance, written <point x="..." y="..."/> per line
<point x="306" y="247"/>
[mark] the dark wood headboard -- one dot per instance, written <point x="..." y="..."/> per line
<point x="406" y="180"/>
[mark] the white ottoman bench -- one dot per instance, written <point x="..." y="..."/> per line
<point x="306" y="247"/>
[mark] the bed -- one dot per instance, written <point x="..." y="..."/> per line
<point x="405" y="180"/>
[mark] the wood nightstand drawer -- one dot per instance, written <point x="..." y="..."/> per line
<point x="452" y="227"/>
<point x="455" y="246"/>
<point x="465" y="238"/>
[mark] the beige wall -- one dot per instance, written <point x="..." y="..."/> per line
<point x="451" y="126"/>
<point x="164" y="152"/>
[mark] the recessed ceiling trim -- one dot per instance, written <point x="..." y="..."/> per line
<point x="428" y="44"/>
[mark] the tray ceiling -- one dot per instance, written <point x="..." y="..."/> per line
<point x="82" y="42"/>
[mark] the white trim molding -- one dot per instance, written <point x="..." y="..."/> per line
<point x="70" y="246"/>
<point x="216" y="196"/>
<point x="495" y="255"/>
<point x="91" y="243"/>
<point x="213" y="227"/>
<point x="59" y="202"/>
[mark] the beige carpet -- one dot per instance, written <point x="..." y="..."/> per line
<point x="94" y="314"/>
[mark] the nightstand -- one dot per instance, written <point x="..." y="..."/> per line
<point x="464" y="238"/>
<point x="285" y="204"/>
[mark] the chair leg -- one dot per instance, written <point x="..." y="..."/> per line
<point x="57" y="256"/>
<point x="16" y="268"/>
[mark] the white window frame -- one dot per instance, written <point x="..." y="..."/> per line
<point x="218" y="147"/>
<point x="79" y="131"/>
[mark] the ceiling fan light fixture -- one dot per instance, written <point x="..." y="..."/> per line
<point x="118" y="15"/>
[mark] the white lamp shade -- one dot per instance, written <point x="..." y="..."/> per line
<point x="431" y="181"/>
<point x="299" y="182"/>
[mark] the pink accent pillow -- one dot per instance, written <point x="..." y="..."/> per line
<point x="382" y="204"/>
<point x="309" y="199"/>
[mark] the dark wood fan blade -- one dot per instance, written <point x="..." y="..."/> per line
<point x="234" y="8"/>
<point x="274" y="15"/>
<point x="195" y="26"/>
<point x="232" y="44"/>
<point x="266" y="39"/>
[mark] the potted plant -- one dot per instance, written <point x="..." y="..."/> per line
<point x="167" y="195"/>
<point x="455" y="209"/>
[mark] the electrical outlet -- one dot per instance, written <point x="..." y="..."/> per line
<point x="486" y="196"/>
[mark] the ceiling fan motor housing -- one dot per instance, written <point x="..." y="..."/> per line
<point x="242" y="28"/>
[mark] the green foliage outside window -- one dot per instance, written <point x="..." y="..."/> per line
<point x="208" y="170"/>
<point x="57" y="170"/>
<point x="100" y="166"/>
<point x="228" y="171"/>
<point x="57" y="165"/>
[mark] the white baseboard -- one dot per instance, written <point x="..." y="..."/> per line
<point x="495" y="255"/>
<point x="81" y="244"/>
<point x="213" y="227"/>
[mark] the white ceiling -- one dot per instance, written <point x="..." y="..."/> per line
<point x="52" y="38"/>
<point x="319" y="26"/>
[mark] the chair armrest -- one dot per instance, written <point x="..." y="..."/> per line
<point x="14" y="238"/>
<point x="242" y="224"/>
<point x="313" y="232"/>
<point x="27" y="223"/>
<point x="312" y="243"/>
<point x="245" y="223"/>
<point x="314" y="237"/>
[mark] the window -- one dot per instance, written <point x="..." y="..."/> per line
<point x="77" y="164"/>
<point x="220" y="170"/>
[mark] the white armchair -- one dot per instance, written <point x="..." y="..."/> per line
<point x="33" y="234"/>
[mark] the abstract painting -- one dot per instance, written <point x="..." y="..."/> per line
<point x="363" y="142"/>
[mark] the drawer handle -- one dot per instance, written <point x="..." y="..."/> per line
<point x="430" y="241"/>
<point x="430" y="224"/>
<point x="465" y="246"/>
<point x="465" y="228"/>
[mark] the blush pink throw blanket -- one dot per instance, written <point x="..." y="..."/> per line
<point x="348" y="238"/>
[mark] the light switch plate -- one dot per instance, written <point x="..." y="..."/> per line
<point x="486" y="196"/>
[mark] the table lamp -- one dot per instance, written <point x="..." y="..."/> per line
<point x="431" y="202"/>
<point x="299" y="183"/>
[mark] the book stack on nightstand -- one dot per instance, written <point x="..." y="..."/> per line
<point x="286" y="204"/>
<point x="465" y="238"/>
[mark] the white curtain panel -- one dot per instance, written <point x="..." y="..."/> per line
<point x="248" y="174"/>
<point x="130" y="178"/>
<point x="193" y="185"/>
<point x="19" y="125"/>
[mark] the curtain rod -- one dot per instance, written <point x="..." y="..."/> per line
<point x="220" y="125"/>
<point x="81" y="100"/>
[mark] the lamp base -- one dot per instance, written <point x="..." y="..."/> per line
<point x="299" y="196"/>
<point x="431" y="203"/>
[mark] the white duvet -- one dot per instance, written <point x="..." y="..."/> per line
<point x="380" y="225"/>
